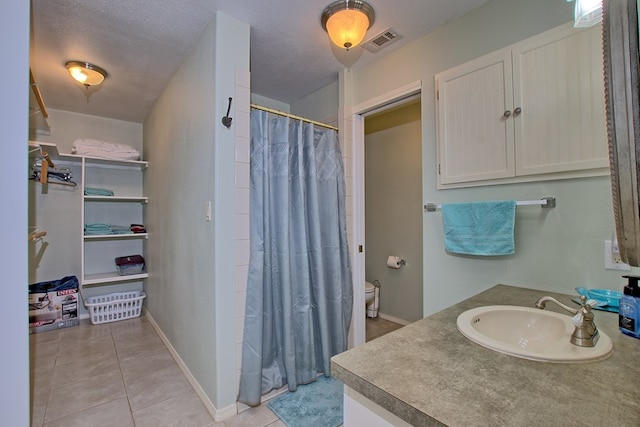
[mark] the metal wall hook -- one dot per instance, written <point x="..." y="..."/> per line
<point x="226" y="120"/>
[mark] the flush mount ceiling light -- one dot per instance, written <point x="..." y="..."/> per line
<point x="587" y="13"/>
<point x="85" y="73"/>
<point x="347" y="22"/>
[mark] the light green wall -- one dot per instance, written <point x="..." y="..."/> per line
<point x="556" y="249"/>
<point x="320" y="105"/>
<point x="66" y="127"/>
<point x="178" y="139"/>
<point x="263" y="101"/>
<point x="393" y="209"/>
<point x="191" y="161"/>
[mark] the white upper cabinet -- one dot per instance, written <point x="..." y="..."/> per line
<point x="476" y="139"/>
<point x="534" y="110"/>
<point x="559" y="83"/>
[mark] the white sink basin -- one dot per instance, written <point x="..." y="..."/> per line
<point x="529" y="333"/>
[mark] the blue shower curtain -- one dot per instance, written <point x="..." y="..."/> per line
<point x="299" y="289"/>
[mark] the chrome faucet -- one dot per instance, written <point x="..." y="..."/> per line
<point x="585" y="333"/>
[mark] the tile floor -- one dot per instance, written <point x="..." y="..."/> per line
<point x="378" y="327"/>
<point x="121" y="375"/>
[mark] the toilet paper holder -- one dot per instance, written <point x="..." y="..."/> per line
<point x="395" y="261"/>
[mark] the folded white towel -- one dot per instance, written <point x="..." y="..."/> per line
<point x="104" y="150"/>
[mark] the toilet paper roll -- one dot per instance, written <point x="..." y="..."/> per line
<point x="394" y="261"/>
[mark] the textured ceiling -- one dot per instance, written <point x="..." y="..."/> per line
<point x="142" y="42"/>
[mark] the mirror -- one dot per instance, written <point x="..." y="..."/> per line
<point x="622" y="95"/>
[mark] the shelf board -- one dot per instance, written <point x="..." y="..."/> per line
<point x="96" y="161"/>
<point x="113" y="277"/>
<point x="116" y="236"/>
<point x="139" y="199"/>
<point x="52" y="150"/>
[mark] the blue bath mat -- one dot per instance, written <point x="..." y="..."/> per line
<point x="318" y="404"/>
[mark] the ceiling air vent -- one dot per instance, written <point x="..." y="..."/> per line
<point x="381" y="40"/>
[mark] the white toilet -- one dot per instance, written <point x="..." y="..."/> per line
<point x="372" y="299"/>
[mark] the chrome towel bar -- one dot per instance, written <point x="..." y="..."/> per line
<point x="545" y="202"/>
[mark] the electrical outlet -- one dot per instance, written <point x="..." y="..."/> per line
<point x="612" y="260"/>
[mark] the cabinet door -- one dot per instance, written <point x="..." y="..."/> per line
<point x="559" y="85"/>
<point x="475" y="136"/>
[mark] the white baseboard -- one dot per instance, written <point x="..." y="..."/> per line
<point x="217" y="414"/>
<point x="393" y="319"/>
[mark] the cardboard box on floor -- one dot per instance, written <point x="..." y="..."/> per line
<point x="53" y="305"/>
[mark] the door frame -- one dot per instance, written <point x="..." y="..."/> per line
<point x="359" y="112"/>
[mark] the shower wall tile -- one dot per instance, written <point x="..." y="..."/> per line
<point x="345" y="123"/>
<point x="242" y="252"/>
<point x="243" y="99"/>
<point x="239" y="353"/>
<point x="243" y="79"/>
<point x="242" y="201"/>
<point x="347" y="149"/>
<point x="347" y="126"/>
<point x="241" y="298"/>
<point x="242" y="175"/>
<point x="349" y="206"/>
<point x="242" y="272"/>
<point x="242" y="124"/>
<point x="240" y="326"/>
<point x="242" y="149"/>
<point x="242" y="226"/>
<point x="348" y="170"/>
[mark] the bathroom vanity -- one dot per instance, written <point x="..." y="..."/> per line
<point x="428" y="374"/>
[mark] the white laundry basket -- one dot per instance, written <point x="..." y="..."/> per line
<point x="114" y="307"/>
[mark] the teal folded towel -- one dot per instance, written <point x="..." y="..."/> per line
<point x="481" y="228"/>
<point x="97" y="229"/>
<point x="105" y="229"/>
<point x="91" y="191"/>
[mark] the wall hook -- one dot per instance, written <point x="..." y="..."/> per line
<point x="226" y="120"/>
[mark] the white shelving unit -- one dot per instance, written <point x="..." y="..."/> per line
<point x="125" y="207"/>
<point x="60" y="209"/>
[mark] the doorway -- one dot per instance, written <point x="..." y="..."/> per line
<point x="393" y="217"/>
<point x="386" y="103"/>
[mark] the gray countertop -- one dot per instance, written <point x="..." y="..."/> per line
<point x="428" y="374"/>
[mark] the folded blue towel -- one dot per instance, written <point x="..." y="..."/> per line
<point x="105" y="229"/>
<point x="481" y="228"/>
<point x="91" y="191"/>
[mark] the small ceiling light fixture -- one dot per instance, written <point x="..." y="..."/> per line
<point x="347" y="22"/>
<point x="85" y="73"/>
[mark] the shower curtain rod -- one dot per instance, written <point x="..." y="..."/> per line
<point x="291" y="116"/>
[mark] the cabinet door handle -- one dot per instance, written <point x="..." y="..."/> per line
<point x="517" y="111"/>
<point x="506" y="114"/>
